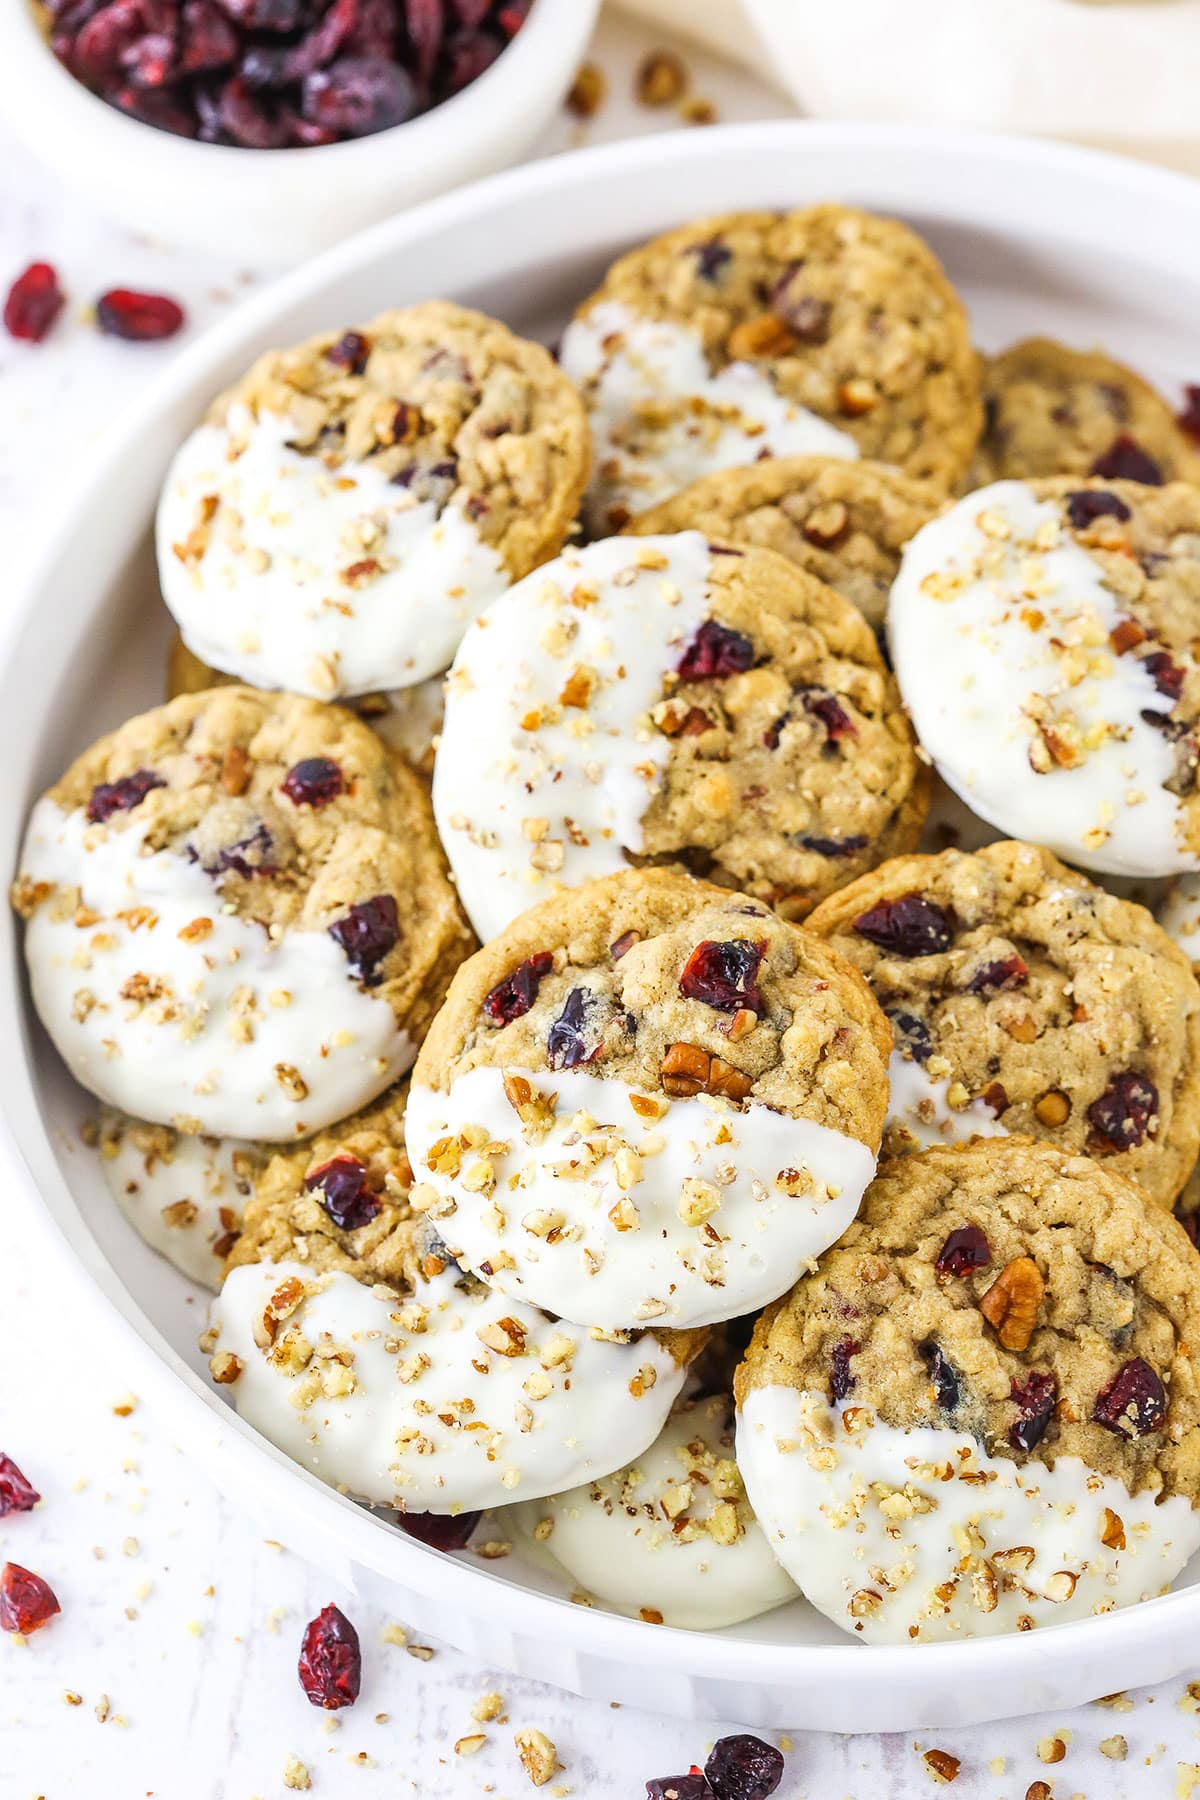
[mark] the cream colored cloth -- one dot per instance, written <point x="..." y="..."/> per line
<point x="1122" y="73"/>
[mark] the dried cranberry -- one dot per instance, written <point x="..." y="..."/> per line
<point x="16" y="1493"/>
<point x="715" y="652"/>
<point x="26" y="1601"/>
<point x="806" y="317"/>
<point x="349" y="352"/>
<point x="512" y="998"/>
<point x="1166" y="673"/>
<point x="841" y="1375"/>
<point x="823" y="846"/>
<point x="34" y="302"/>
<point x="330" y="1665"/>
<point x="832" y="714"/>
<point x="1125" y="460"/>
<point x="711" y="257"/>
<point x="468" y="55"/>
<point x="691" y="1786"/>
<point x="743" y="1768"/>
<point x="111" y="797"/>
<point x="1087" y="505"/>
<point x="725" y="975"/>
<point x="247" y="121"/>
<point x="154" y="106"/>
<point x="359" y="95"/>
<point x="907" y="926"/>
<point x="425" y="21"/>
<point x="327" y="37"/>
<point x="1034" y="1398"/>
<point x="139" y="318"/>
<point x="913" y="1035"/>
<point x="965" y="1248"/>
<point x="992" y="978"/>
<point x="209" y="40"/>
<point x="266" y="15"/>
<point x="103" y="44"/>
<point x="439" y="1530"/>
<point x="314" y="782"/>
<point x="1120" y="1118"/>
<point x="1189" y="417"/>
<point x="510" y="18"/>
<point x="342" y="1187"/>
<point x="565" y="1044"/>
<point x="367" y="932"/>
<point x="1133" y="1403"/>
<point x="248" y="856"/>
<point x="943" y="1375"/>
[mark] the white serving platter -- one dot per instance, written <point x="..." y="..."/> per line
<point x="1039" y="238"/>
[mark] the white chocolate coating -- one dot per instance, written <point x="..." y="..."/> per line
<point x="671" y="1535"/>
<point x="901" y="1536"/>
<point x="693" y="1214"/>
<point x="532" y="794"/>
<point x="183" y="1196"/>
<point x="624" y="363"/>
<point x="325" y="581"/>
<point x="919" y="1108"/>
<point x="410" y="1403"/>
<point x="1179" y="914"/>
<point x="194" y="1029"/>
<point x="409" y="720"/>
<point x="999" y="625"/>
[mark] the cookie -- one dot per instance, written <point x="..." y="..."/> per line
<point x="1055" y="411"/>
<point x="239" y="919"/>
<point x="1042" y="635"/>
<point x="1026" y="1000"/>
<point x="183" y="1195"/>
<point x="344" y="1333"/>
<point x="648" y="1100"/>
<point x="665" y="699"/>
<point x="981" y="1413"/>
<point x="353" y="502"/>
<point x="845" y="522"/>
<point x="407" y="719"/>
<point x="824" y="332"/>
<point x="670" y="1538"/>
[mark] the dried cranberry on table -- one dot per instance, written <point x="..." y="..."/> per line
<point x="34" y="302"/>
<point x="330" y="1666"/>
<point x="17" y="1492"/>
<point x="279" y="74"/>
<point x="139" y="318"/>
<point x="26" y="1601"/>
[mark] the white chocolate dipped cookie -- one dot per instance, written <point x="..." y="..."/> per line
<point x="350" y="505"/>
<point x="980" y="1414"/>
<point x="648" y="1101"/>
<point x="1042" y="635"/>
<point x="670" y="1538"/>
<point x="666" y="699"/>
<point x="238" y="916"/>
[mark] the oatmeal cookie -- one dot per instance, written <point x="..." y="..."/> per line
<point x="824" y="332"/>
<point x="1044" y="638"/>
<point x="182" y="1194"/>
<point x="408" y="719"/>
<point x="666" y="699"/>
<point x="670" y="1538"/>
<point x="239" y="919"/>
<point x="845" y="522"/>
<point x="353" y="502"/>
<point x="347" y="1336"/>
<point x="1026" y="1000"/>
<point x="981" y="1413"/>
<point x="1055" y="411"/>
<point x="649" y="1099"/>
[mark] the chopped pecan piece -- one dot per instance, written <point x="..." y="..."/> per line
<point x="1011" y="1304"/>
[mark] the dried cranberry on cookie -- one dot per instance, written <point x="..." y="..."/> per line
<point x="981" y="1413"/>
<point x="648" y="1100"/>
<point x="1024" y="999"/>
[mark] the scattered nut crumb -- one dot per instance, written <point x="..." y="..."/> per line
<point x="661" y="79"/>
<point x="295" y="1775"/>
<point x="488" y="1706"/>
<point x="422" y="1652"/>
<point x="394" y="1634"/>
<point x="942" y="1766"/>
<point x="467" y="1746"/>
<point x="1039" y="1790"/>
<point x="539" y="1758"/>
<point x="1115" y="1748"/>
<point x="695" y="111"/>
<point x="1051" y="1750"/>
<point x="586" y="94"/>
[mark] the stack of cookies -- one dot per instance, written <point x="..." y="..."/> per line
<point x="720" y="1092"/>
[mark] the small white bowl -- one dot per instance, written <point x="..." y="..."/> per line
<point x="269" y="207"/>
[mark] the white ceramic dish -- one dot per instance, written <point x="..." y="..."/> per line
<point x="275" y="207"/>
<point x="1039" y="238"/>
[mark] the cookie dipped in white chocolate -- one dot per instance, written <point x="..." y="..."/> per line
<point x="670" y="1538"/>
<point x="917" y="1536"/>
<point x="448" y="1398"/>
<point x="661" y="418"/>
<point x="575" y="1192"/>
<point x="182" y="1194"/>
<point x="1010" y="650"/>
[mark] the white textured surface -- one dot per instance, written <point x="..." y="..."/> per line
<point x="212" y="1713"/>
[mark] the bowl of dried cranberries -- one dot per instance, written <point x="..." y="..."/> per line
<point x="267" y="129"/>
